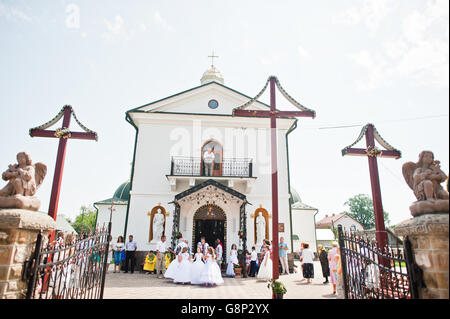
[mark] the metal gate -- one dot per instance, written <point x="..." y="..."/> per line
<point x="74" y="270"/>
<point x="372" y="272"/>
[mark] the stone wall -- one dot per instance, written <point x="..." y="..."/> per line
<point x="429" y="238"/>
<point x="18" y="233"/>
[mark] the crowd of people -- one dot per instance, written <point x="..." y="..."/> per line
<point x="204" y="266"/>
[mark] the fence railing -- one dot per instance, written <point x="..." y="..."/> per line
<point x="229" y="167"/>
<point x="373" y="272"/>
<point x="68" y="270"/>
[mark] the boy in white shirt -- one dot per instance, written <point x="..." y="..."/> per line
<point x="253" y="259"/>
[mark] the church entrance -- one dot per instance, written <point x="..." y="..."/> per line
<point x="209" y="222"/>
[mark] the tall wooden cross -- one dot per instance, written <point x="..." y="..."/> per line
<point x="63" y="134"/>
<point x="372" y="152"/>
<point x="273" y="114"/>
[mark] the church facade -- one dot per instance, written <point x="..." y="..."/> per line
<point x="199" y="172"/>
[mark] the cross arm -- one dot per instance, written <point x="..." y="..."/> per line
<point x="75" y="135"/>
<point x="260" y="113"/>
<point x="362" y="152"/>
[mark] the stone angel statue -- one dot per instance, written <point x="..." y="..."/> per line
<point x="24" y="178"/>
<point x="425" y="178"/>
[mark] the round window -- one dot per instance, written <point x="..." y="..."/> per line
<point x="213" y="104"/>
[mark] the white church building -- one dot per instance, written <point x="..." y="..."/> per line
<point x="175" y="191"/>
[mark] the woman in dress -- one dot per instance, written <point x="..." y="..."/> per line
<point x="333" y="266"/>
<point x="308" y="265"/>
<point x="197" y="267"/>
<point x="211" y="274"/>
<point x="183" y="271"/>
<point x="233" y="261"/>
<point x="265" y="269"/>
<point x="118" y="252"/>
<point x="323" y="257"/>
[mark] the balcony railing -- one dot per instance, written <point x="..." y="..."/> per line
<point x="229" y="167"/>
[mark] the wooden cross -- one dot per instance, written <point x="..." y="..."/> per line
<point x="273" y="114"/>
<point x="212" y="58"/>
<point x="63" y="134"/>
<point x="111" y="209"/>
<point x="372" y="153"/>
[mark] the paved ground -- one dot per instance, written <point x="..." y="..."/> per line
<point x="144" y="286"/>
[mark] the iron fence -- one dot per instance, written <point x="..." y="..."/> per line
<point x="69" y="271"/>
<point x="229" y="167"/>
<point x="373" y="272"/>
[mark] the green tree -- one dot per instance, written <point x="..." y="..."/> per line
<point x="85" y="221"/>
<point x="361" y="209"/>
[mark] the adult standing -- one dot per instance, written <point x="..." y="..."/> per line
<point x="118" y="250"/>
<point x="219" y="253"/>
<point x="323" y="257"/>
<point x="308" y="263"/>
<point x="283" y="256"/>
<point x="333" y="265"/>
<point x="203" y="246"/>
<point x="208" y="160"/>
<point x="161" y="249"/>
<point x="130" y="253"/>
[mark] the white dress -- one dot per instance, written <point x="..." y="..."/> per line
<point x="233" y="261"/>
<point x="196" y="269"/>
<point x="211" y="272"/>
<point x="171" y="270"/>
<point x="265" y="269"/>
<point x="183" y="271"/>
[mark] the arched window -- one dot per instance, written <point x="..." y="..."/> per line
<point x="217" y="149"/>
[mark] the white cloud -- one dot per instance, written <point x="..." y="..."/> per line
<point x="371" y="13"/>
<point x="302" y="51"/>
<point x="12" y="13"/>
<point x="159" y="20"/>
<point x="419" y="53"/>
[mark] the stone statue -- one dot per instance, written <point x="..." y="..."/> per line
<point x="24" y="178"/>
<point x="425" y="178"/>
<point x="158" y="225"/>
<point x="260" y="228"/>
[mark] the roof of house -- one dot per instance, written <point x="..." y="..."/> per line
<point x="329" y="220"/>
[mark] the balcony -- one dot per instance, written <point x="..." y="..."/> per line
<point x="227" y="171"/>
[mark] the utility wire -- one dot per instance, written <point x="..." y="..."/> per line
<point x="383" y="121"/>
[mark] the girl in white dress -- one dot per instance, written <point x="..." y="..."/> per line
<point x="171" y="270"/>
<point x="265" y="269"/>
<point x="211" y="274"/>
<point x="197" y="267"/>
<point x="233" y="261"/>
<point x="183" y="271"/>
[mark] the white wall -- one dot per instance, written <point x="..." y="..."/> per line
<point x="347" y="222"/>
<point x="304" y="227"/>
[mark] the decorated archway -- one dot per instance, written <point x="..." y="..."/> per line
<point x="209" y="221"/>
<point x="266" y="216"/>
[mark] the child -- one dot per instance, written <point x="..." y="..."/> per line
<point x="150" y="261"/>
<point x="183" y="271"/>
<point x="233" y="261"/>
<point x="265" y="269"/>
<point x="197" y="267"/>
<point x="211" y="275"/>
<point x="253" y="260"/>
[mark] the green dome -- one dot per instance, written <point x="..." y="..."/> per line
<point x="123" y="192"/>
<point x="295" y="196"/>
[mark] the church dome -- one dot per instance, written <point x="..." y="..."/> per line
<point x="211" y="75"/>
<point x="295" y="197"/>
<point x="123" y="192"/>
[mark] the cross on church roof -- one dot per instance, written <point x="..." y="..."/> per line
<point x="212" y="58"/>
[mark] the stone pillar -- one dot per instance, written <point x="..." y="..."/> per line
<point x="18" y="233"/>
<point x="429" y="239"/>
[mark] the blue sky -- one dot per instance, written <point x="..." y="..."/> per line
<point x="353" y="62"/>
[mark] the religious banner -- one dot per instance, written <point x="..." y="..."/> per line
<point x="281" y="227"/>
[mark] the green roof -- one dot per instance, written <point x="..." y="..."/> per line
<point x="121" y="195"/>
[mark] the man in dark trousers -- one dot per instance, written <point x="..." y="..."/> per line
<point x="130" y="251"/>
